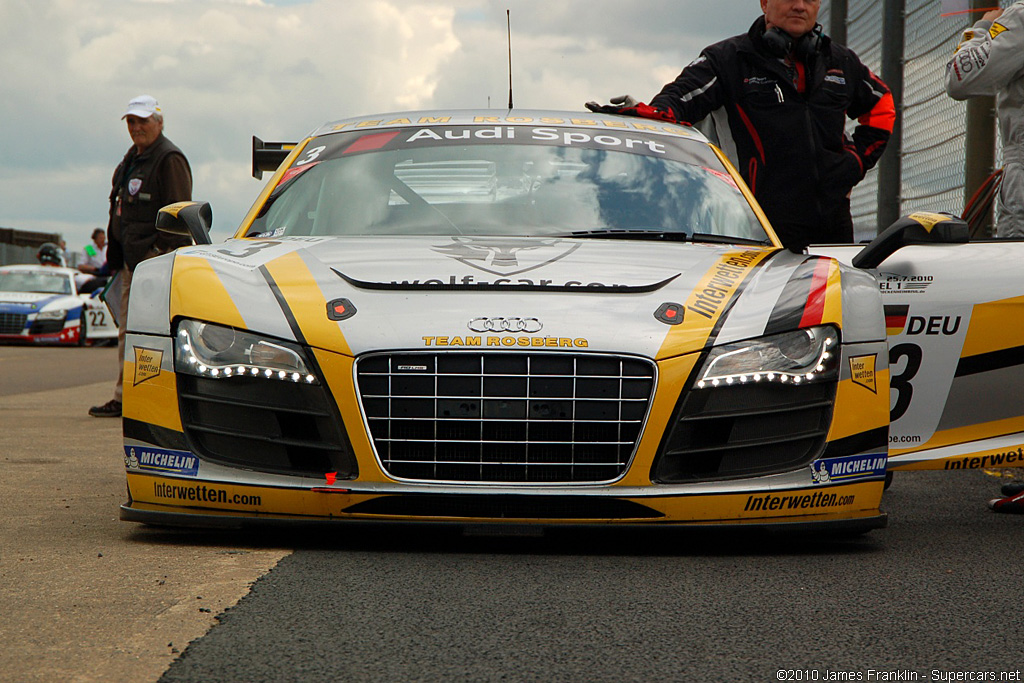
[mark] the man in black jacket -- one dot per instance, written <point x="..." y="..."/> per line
<point x="778" y="98"/>
<point x="153" y="174"/>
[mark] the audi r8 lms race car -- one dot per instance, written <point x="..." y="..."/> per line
<point x="41" y="305"/>
<point x="549" y="318"/>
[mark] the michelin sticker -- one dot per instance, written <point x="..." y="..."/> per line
<point x="833" y="470"/>
<point x="142" y="459"/>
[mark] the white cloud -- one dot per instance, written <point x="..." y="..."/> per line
<point x="229" y="69"/>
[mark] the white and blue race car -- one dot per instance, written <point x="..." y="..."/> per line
<point x="42" y="305"/>
<point x="552" y="318"/>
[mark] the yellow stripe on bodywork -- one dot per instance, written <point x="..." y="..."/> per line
<point x="199" y="293"/>
<point x="929" y="220"/>
<point x="959" y="435"/>
<point x="1004" y="456"/>
<point x="154" y="401"/>
<point x="995" y="326"/>
<point x="176" y="207"/>
<point x="833" y="310"/>
<point x="183" y="496"/>
<point x="207" y="497"/>
<point x="306" y="303"/>
<point x="811" y="501"/>
<point x="709" y="300"/>
<point x="858" y="409"/>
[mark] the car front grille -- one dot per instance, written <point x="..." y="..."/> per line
<point x="47" y="326"/>
<point x="12" y="323"/>
<point x="745" y="430"/>
<point x="505" y="417"/>
<point x="265" y="425"/>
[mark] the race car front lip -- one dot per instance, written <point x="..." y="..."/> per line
<point x="850" y="523"/>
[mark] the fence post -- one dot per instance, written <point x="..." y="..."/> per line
<point x="890" y="166"/>
<point x="837" y="21"/>
<point x="980" y="140"/>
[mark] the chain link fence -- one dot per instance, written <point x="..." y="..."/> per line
<point x="864" y="36"/>
<point x="934" y="125"/>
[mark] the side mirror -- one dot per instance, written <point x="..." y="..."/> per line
<point x="917" y="228"/>
<point x="191" y="219"/>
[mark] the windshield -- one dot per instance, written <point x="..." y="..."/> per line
<point x="500" y="181"/>
<point x="34" y="281"/>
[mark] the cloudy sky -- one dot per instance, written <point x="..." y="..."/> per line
<point x="224" y="70"/>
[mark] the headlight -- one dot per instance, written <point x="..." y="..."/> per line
<point x="52" y="315"/>
<point x="796" y="357"/>
<point x="208" y="350"/>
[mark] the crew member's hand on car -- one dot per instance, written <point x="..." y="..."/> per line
<point x="627" y="105"/>
<point x="625" y="101"/>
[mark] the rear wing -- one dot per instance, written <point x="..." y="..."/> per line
<point x="267" y="156"/>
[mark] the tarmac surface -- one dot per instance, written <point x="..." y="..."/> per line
<point x="84" y="596"/>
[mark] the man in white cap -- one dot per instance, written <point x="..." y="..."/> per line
<point x="153" y="174"/>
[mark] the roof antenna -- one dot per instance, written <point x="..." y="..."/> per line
<point x="508" y="19"/>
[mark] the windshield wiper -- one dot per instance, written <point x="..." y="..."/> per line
<point x="663" y="235"/>
<point x="727" y="239"/>
<point x="629" y="234"/>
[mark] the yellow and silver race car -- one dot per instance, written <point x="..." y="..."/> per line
<point x="546" y="318"/>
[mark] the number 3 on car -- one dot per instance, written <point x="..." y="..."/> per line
<point x="955" y="325"/>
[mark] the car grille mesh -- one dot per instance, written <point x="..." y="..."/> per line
<point x="12" y="323"/>
<point x="47" y="326"/>
<point x="265" y="425"/>
<point x="505" y="417"/>
<point x="746" y="430"/>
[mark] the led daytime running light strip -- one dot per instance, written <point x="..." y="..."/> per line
<point x="773" y="376"/>
<point x="238" y="369"/>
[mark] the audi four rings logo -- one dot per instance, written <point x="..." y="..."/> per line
<point x="529" y="325"/>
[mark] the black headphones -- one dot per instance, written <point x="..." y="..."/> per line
<point x="781" y="44"/>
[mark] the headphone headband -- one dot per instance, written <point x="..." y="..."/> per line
<point x="781" y="44"/>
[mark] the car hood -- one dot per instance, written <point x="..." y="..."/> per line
<point x="359" y="294"/>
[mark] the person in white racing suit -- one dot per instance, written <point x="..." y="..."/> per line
<point x="990" y="61"/>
